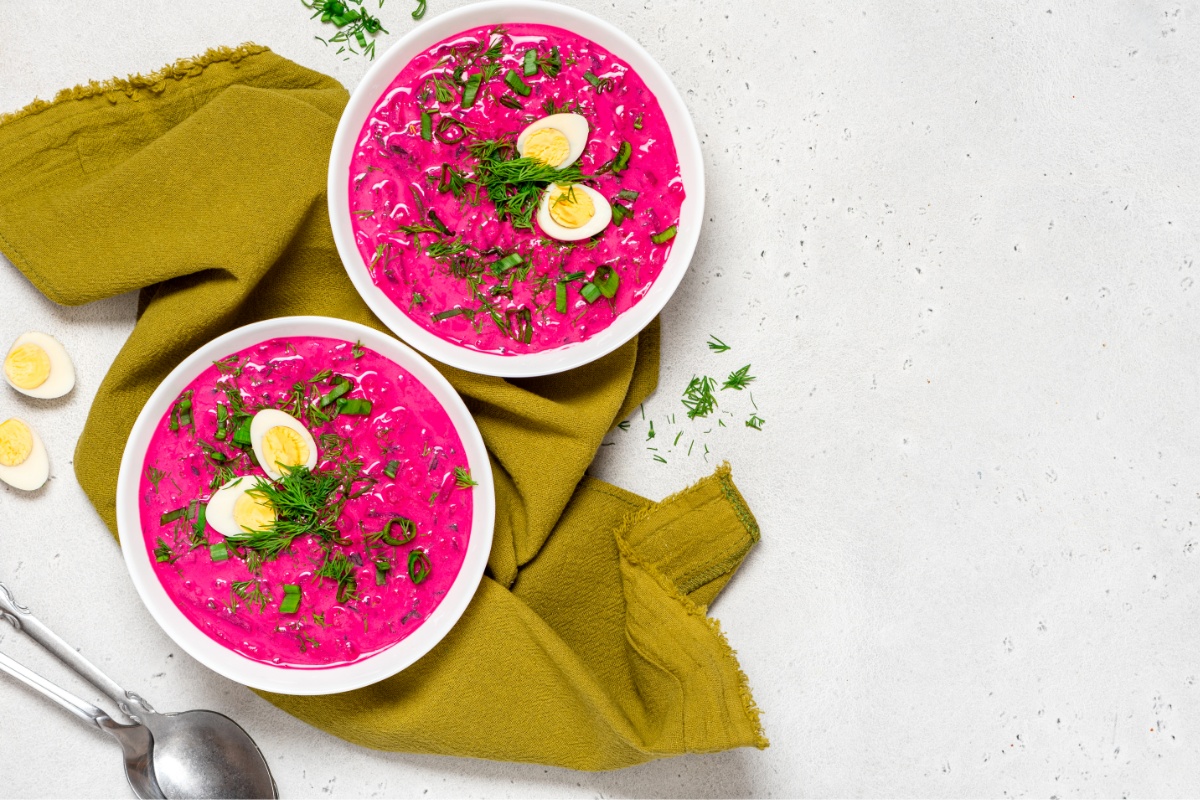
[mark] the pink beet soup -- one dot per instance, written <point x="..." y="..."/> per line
<point x="391" y="498"/>
<point x="424" y="188"/>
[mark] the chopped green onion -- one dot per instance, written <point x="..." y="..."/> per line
<point x="198" y="537"/>
<point x="628" y="195"/>
<point x="291" y="599"/>
<point x="222" y="415"/>
<point x="382" y="568"/>
<point x="590" y="292"/>
<point x="560" y="297"/>
<point x="453" y="312"/>
<point x="241" y="436"/>
<point x="418" y="566"/>
<point x="623" y="155"/>
<point x="598" y="83"/>
<point x="354" y="407"/>
<point x="505" y="264"/>
<point x="172" y="516"/>
<point x="530" y="65"/>
<point x="619" y="213"/>
<point x="341" y="385"/>
<point x="471" y="89"/>
<point x="607" y="280"/>
<point x="426" y="125"/>
<point x="408" y="531"/>
<point x="513" y="79"/>
<point x="665" y="236"/>
<point x="391" y="468"/>
<point x="637" y="123"/>
<point x="573" y="276"/>
<point x="219" y="551"/>
<point x="450" y="131"/>
<point x="437" y="223"/>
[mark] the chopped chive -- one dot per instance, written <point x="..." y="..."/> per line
<point x="690" y="446"/>
<point x="219" y="551"/>
<point x="590" y="292"/>
<point x="514" y="81"/>
<point x="637" y="123"/>
<point x="408" y="531"/>
<point x="659" y="458"/>
<point x="356" y="407"/>
<point x="391" y="468"/>
<point x="419" y="11"/>
<point x="198" y="538"/>
<point x="163" y="554"/>
<point x="418" y="566"/>
<point x="598" y="83"/>
<point x="530" y="65"/>
<point x="573" y="276"/>
<point x="172" y="516"/>
<point x="437" y="223"/>
<point x="676" y="439"/>
<point x="665" y="236"/>
<point x="450" y="131"/>
<point x="471" y="89"/>
<point x="241" y="436"/>
<point x="607" y="280"/>
<point x="505" y="264"/>
<point x="510" y="101"/>
<point x="222" y="414"/>
<point x="341" y="385"/>
<point x="426" y="125"/>
<point x="453" y="312"/>
<point x="628" y="195"/>
<point x="560" y="297"/>
<point x="619" y="213"/>
<point x="382" y="568"/>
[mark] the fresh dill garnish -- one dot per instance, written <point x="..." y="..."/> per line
<point x="515" y="184"/>
<point x="623" y="425"/>
<point x="755" y="422"/>
<point x="738" y="379"/>
<point x="677" y="438"/>
<point x="659" y="458"/>
<point x="365" y="213"/>
<point x="357" y="351"/>
<point x="341" y="570"/>
<point x="569" y="107"/>
<point x="462" y="478"/>
<point x="155" y="476"/>
<point x="716" y="345"/>
<point x="698" y="397"/>
<point x="163" y="553"/>
<point x="251" y="593"/>
<point x="306" y="503"/>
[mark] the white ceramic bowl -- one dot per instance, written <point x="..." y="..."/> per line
<point x="687" y="147"/>
<point x="293" y="680"/>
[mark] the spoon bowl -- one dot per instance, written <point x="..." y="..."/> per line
<point x="206" y="754"/>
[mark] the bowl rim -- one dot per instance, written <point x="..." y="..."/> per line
<point x="687" y="149"/>
<point x="302" y="680"/>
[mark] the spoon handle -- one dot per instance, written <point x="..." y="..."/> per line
<point x="76" y="705"/>
<point x="24" y="620"/>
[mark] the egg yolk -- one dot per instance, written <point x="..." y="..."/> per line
<point x="252" y="512"/>
<point x="571" y="209"/>
<point x="16" y="442"/>
<point x="27" y="366"/>
<point x="284" y="447"/>
<point x="548" y="145"/>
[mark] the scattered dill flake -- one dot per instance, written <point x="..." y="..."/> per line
<point x="755" y="422"/>
<point x="433" y="497"/>
<point x="716" y="345"/>
<point x="660" y="459"/>
<point x="341" y="570"/>
<point x="155" y="476"/>
<point x="738" y="379"/>
<point x="354" y="25"/>
<point x="623" y="425"/>
<point x="677" y="438"/>
<point x="251" y="593"/>
<point x="690" y="446"/>
<point x="462" y="478"/>
<point x="357" y="351"/>
<point x="698" y="397"/>
<point x="163" y="553"/>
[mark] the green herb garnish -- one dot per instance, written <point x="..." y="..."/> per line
<point x="408" y="532"/>
<point x="341" y="570"/>
<point x="163" y="553"/>
<point x="418" y="12"/>
<point x="716" y="345"/>
<point x="462" y="478"/>
<point x="739" y="380"/>
<point x="515" y="184"/>
<point x="219" y="551"/>
<point x="755" y="422"/>
<point x="354" y="407"/>
<point x="664" y="237"/>
<point x="291" y="599"/>
<point x="698" y="397"/>
<point x="418" y="565"/>
<point x="515" y="82"/>
<point x="172" y="516"/>
<point x="251" y="592"/>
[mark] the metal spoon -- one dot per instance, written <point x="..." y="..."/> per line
<point x="196" y="753"/>
<point x="136" y="741"/>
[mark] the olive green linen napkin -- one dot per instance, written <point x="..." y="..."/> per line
<point x="203" y="185"/>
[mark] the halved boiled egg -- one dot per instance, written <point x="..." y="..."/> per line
<point x="280" y="441"/>
<point x="571" y="213"/>
<point x="557" y="140"/>
<point x="23" y="461"/>
<point x="37" y="365"/>
<point x="234" y="509"/>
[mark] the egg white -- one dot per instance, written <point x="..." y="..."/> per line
<point x="272" y="417"/>
<point x="32" y="473"/>
<point x="219" y="513"/>
<point x="593" y="226"/>
<point x="62" y="372"/>
<point x="573" y="126"/>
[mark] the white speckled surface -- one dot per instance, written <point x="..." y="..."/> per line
<point x="957" y="244"/>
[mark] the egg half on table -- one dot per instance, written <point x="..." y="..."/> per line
<point x="38" y="366"/>
<point x="23" y="461"/>
<point x="567" y="213"/>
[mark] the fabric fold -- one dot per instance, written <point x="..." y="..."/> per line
<point x="203" y="185"/>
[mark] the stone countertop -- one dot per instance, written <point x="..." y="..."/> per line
<point x="956" y="242"/>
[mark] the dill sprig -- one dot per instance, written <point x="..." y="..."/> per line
<point x="738" y="379"/>
<point x="155" y="476"/>
<point x="251" y="594"/>
<point x="698" y="397"/>
<point x="341" y="570"/>
<point x="463" y="479"/>
<point x="755" y="422"/>
<point x="515" y="184"/>
<point x="306" y="503"/>
<point x="716" y="345"/>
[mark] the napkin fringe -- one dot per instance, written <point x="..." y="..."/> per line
<point x="735" y="499"/>
<point x="132" y="85"/>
